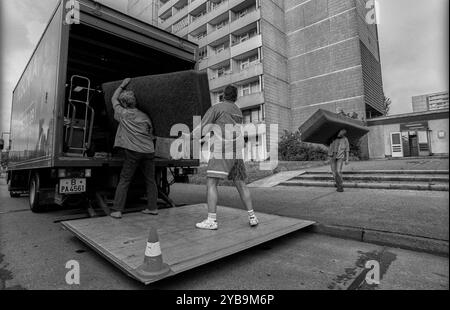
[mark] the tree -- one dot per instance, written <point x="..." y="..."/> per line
<point x="387" y="102"/>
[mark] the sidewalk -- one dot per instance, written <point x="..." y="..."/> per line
<point x="409" y="219"/>
<point x="433" y="164"/>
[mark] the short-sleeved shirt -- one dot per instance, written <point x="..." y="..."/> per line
<point x="224" y="114"/>
<point x="339" y="148"/>
<point x="135" y="132"/>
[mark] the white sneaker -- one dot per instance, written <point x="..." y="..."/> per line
<point x="254" y="221"/>
<point x="208" y="225"/>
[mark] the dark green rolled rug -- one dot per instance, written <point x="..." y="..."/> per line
<point x="168" y="99"/>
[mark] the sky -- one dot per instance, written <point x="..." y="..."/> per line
<point x="413" y="43"/>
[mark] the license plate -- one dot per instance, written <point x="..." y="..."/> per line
<point x="72" y="186"/>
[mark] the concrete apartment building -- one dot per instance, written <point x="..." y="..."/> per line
<point x="288" y="57"/>
<point x="145" y="10"/>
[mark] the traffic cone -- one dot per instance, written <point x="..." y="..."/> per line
<point x="153" y="266"/>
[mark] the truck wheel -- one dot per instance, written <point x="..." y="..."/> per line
<point x="34" y="194"/>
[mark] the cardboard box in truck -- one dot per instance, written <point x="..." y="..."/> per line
<point x="61" y="140"/>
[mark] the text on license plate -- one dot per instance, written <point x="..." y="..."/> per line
<point x="72" y="186"/>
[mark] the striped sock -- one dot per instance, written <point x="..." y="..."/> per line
<point x="212" y="217"/>
<point x="251" y="214"/>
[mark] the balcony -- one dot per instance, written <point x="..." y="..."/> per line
<point x="195" y="4"/>
<point x="200" y="42"/>
<point x="246" y="20"/>
<point x="250" y="100"/>
<point x="218" y="34"/>
<point x="175" y="18"/>
<point x="215" y="59"/>
<point x="165" y="7"/>
<point x="252" y="71"/>
<point x="220" y="82"/>
<point x="203" y="64"/>
<point x="218" y="10"/>
<point x="246" y="46"/>
<point x="197" y="22"/>
<point x="236" y="77"/>
<point x="182" y="32"/>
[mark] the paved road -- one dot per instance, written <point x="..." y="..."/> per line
<point x="34" y="251"/>
<point x="423" y="214"/>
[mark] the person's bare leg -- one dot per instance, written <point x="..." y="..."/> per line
<point x="246" y="198"/>
<point x="244" y="192"/>
<point x="212" y="195"/>
<point x="212" y="198"/>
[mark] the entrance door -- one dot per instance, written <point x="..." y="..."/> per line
<point x="424" y="144"/>
<point x="396" y="144"/>
<point x="413" y="144"/>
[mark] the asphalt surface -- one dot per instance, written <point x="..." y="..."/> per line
<point x="34" y="252"/>
<point x="413" y="213"/>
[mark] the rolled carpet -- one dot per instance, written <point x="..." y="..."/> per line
<point x="168" y="99"/>
<point x="324" y="125"/>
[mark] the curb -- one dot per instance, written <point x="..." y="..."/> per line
<point x="402" y="241"/>
<point x="414" y="187"/>
<point x="395" y="172"/>
<point x="373" y="178"/>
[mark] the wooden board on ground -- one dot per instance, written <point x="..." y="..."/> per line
<point x="184" y="247"/>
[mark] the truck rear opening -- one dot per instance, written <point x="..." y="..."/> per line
<point x="101" y="57"/>
<point x="61" y="138"/>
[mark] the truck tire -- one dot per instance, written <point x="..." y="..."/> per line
<point x="34" y="194"/>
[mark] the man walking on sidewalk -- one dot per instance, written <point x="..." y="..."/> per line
<point x="339" y="153"/>
<point x="219" y="168"/>
<point x="135" y="136"/>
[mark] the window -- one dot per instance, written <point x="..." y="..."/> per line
<point x="219" y="97"/>
<point x="220" y="48"/>
<point x="253" y="115"/>
<point x="223" y="71"/>
<point x="246" y="90"/>
<point x="202" y="53"/>
<point x="250" y="88"/>
<point x="243" y="13"/>
<point x="214" y="5"/>
<point x="244" y="37"/>
<point x="250" y="61"/>
<point x="221" y="24"/>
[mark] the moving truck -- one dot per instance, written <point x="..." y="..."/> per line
<point x="61" y="148"/>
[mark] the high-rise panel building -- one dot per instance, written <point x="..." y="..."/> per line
<point x="430" y="102"/>
<point x="287" y="57"/>
<point x="145" y="10"/>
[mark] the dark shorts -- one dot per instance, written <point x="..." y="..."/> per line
<point x="231" y="169"/>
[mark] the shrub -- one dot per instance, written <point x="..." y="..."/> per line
<point x="291" y="148"/>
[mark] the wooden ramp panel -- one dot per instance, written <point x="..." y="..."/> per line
<point x="184" y="247"/>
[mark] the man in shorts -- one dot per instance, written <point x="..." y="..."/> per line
<point x="221" y="115"/>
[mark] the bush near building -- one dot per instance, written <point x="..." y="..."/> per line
<point x="291" y="148"/>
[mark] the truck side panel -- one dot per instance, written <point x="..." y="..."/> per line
<point x="34" y="101"/>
